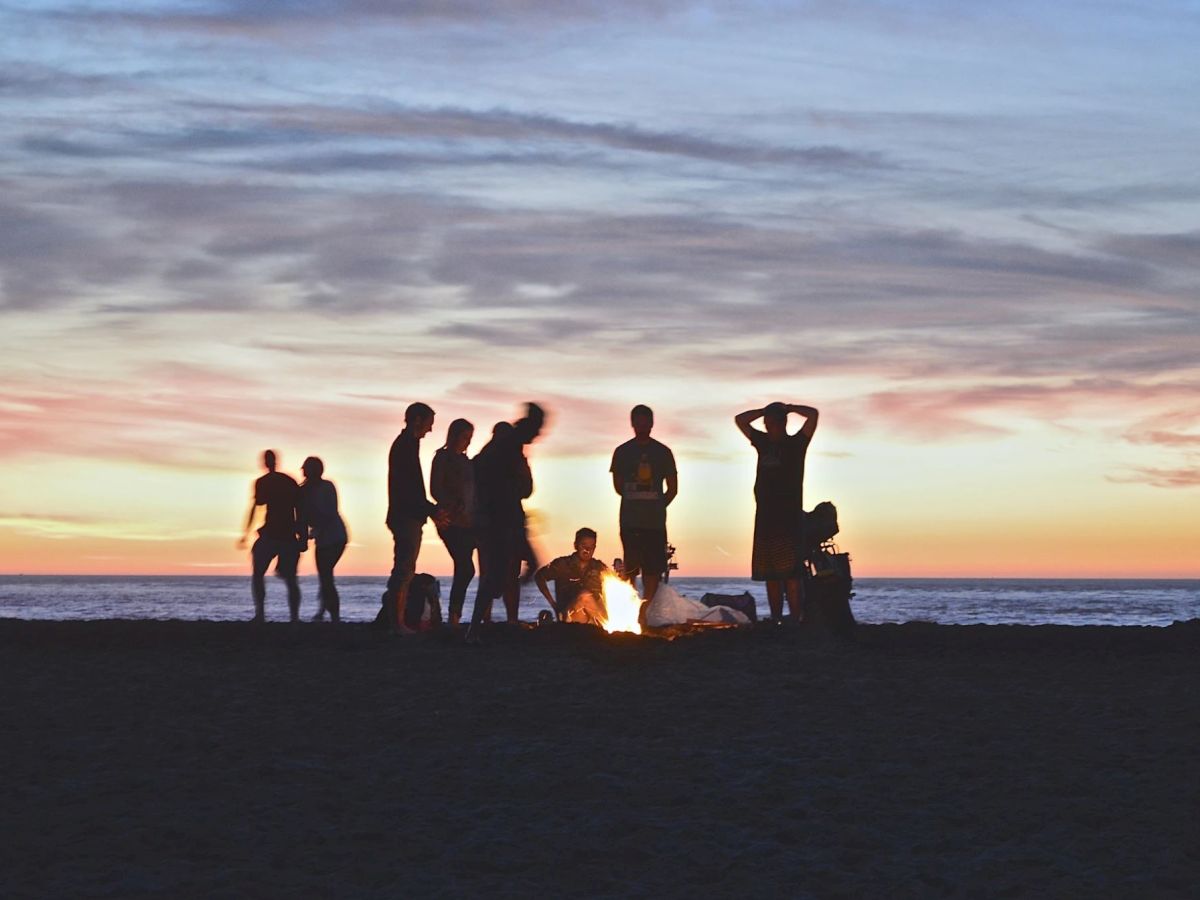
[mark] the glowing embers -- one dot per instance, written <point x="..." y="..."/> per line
<point x="622" y="606"/>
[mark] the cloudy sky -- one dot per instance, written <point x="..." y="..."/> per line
<point x="967" y="232"/>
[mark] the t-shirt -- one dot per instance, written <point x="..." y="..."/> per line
<point x="280" y="494"/>
<point x="643" y="470"/>
<point x="570" y="581"/>
<point x="780" y="479"/>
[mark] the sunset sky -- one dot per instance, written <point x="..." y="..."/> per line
<point x="969" y="233"/>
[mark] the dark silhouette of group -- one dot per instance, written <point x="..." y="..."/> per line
<point x="296" y="513"/>
<point x="477" y="508"/>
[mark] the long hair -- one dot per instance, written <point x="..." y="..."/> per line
<point x="313" y="469"/>
<point x="457" y="427"/>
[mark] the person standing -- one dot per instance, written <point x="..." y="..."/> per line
<point x="280" y="536"/>
<point x="644" y="475"/>
<point x="321" y="521"/>
<point x="777" y="556"/>
<point x="408" y="508"/>
<point x="502" y="480"/>
<point x="452" y="484"/>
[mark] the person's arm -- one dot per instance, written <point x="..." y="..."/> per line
<point x="300" y="524"/>
<point x="672" y="488"/>
<point x="539" y="578"/>
<point x="672" y="478"/>
<point x="743" y="420"/>
<point x="524" y="476"/>
<point x="618" y="484"/>
<point x="810" y="419"/>
<point x="411" y="487"/>
<point x="438" y="482"/>
<point x="241" y="542"/>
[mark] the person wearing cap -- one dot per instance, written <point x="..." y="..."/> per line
<point x="779" y="501"/>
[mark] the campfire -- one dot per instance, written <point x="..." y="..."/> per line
<point x="622" y="605"/>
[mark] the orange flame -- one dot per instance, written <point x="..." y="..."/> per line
<point x="621" y="605"/>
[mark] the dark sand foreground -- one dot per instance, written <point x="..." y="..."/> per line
<point x="203" y="759"/>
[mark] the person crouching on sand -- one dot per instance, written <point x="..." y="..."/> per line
<point x="319" y="518"/>
<point x="578" y="582"/>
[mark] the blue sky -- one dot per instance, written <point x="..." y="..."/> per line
<point x="962" y="228"/>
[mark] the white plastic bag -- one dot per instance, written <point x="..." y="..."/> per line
<point x="669" y="607"/>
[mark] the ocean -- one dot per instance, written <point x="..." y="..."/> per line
<point x="956" y="601"/>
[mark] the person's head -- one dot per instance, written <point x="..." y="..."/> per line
<point x="775" y="419"/>
<point x="585" y="544"/>
<point x="418" y="418"/>
<point x="269" y="460"/>
<point x="529" y="427"/>
<point x="458" y="436"/>
<point x="313" y="469"/>
<point x="641" y="417"/>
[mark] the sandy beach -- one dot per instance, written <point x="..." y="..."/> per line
<point x="212" y="759"/>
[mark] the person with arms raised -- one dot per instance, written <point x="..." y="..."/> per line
<point x="777" y="556"/>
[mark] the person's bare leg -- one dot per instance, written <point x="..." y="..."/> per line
<point x="775" y="599"/>
<point x="794" y="599"/>
<point x="650" y="584"/>
<point x="398" y="625"/>
<point x="512" y="601"/>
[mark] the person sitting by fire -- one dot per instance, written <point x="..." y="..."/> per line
<point x="578" y="582"/>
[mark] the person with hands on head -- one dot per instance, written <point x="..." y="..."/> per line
<point x="778" y="553"/>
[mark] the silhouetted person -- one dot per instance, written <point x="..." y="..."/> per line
<point x="321" y="521"/>
<point x="408" y="508"/>
<point x="578" y="582"/>
<point x="279" y="537"/>
<point x="502" y="480"/>
<point x="452" y="484"/>
<point x="779" y="497"/>
<point x="644" y="474"/>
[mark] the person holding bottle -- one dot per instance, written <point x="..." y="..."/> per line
<point x="645" y="477"/>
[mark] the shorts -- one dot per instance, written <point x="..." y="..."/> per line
<point x="266" y="549"/>
<point x="645" y="551"/>
<point x="406" y="546"/>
